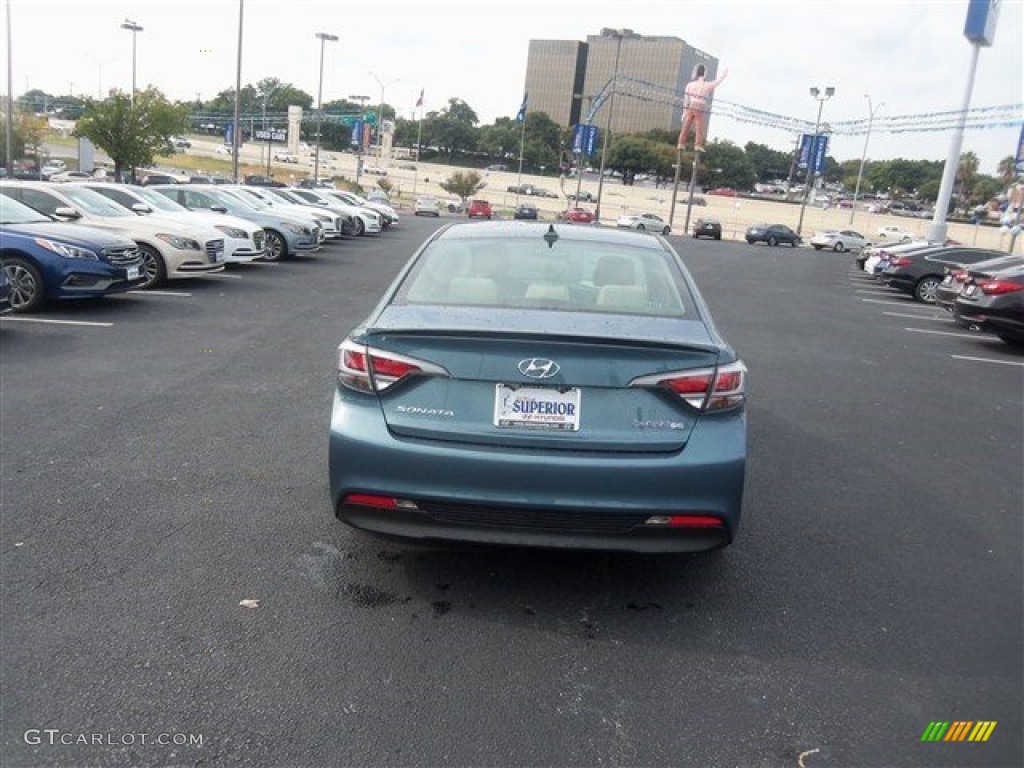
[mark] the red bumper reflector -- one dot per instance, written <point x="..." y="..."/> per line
<point x="368" y="500"/>
<point x="685" y="521"/>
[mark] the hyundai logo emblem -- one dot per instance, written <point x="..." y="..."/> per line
<point x="538" y="368"/>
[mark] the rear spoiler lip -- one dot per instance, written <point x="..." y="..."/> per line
<point x="366" y="334"/>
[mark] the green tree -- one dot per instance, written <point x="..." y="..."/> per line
<point x="452" y="129"/>
<point x="966" y="171"/>
<point x="1007" y="170"/>
<point x="630" y="155"/>
<point x="768" y="164"/>
<point x="725" y="165"/>
<point x="132" y="135"/>
<point x="463" y="184"/>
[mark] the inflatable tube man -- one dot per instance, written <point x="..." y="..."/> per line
<point x="696" y="107"/>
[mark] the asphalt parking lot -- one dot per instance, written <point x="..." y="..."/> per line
<point x="171" y="567"/>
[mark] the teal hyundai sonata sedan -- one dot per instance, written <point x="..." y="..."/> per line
<point x="541" y="385"/>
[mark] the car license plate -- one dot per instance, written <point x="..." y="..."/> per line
<point x="133" y="272"/>
<point x="970" y="289"/>
<point x="537" y="408"/>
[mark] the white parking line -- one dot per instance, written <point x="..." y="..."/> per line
<point x="919" y="317"/>
<point x="942" y="333"/>
<point x="226" y="277"/>
<point x="988" y="360"/>
<point x="56" y="322"/>
<point x="875" y="291"/>
<point x="147" y="292"/>
<point x="901" y="303"/>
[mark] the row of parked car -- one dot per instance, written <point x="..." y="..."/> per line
<point x="93" y="238"/>
<point x="982" y="288"/>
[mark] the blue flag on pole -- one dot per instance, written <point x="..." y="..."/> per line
<point x="521" y="114"/>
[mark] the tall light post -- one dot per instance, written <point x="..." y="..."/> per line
<point x="380" y="115"/>
<point x="236" y="131"/>
<point x="134" y="28"/>
<point x="864" y="154"/>
<point x="323" y="37"/>
<point x="811" y="159"/>
<point x="9" y="117"/>
<point x="617" y="34"/>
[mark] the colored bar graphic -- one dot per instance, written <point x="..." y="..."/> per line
<point x="982" y="730"/>
<point x="958" y="730"/>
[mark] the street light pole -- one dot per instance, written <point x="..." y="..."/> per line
<point x="380" y="115"/>
<point x="864" y="155"/>
<point x="618" y="34"/>
<point x="134" y="28"/>
<point x="236" y="138"/>
<point x="323" y="37"/>
<point x="821" y="99"/>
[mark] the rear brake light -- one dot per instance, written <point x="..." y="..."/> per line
<point x="366" y="369"/>
<point x="706" y="389"/>
<point x="901" y="261"/>
<point x="999" y="287"/>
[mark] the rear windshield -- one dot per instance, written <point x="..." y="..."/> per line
<point x="574" y="276"/>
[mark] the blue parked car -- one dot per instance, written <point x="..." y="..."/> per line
<point x="543" y="385"/>
<point x="5" y="293"/>
<point x="45" y="259"/>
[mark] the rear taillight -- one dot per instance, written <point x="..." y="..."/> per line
<point x="901" y="261"/>
<point x="706" y="389"/>
<point x="999" y="287"/>
<point x="366" y="369"/>
<point x="960" y="275"/>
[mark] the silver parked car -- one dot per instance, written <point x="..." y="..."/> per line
<point x="287" y="234"/>
<point x="839" y="240"/>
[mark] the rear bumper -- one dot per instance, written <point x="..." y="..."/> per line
<point x="568" y="499"/>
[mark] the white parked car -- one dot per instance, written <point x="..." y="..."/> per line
<point x="426" y="205"/>
<point x="383" y="207"/>
<point x="329" y="223"/>
<point x="285" y="157"/>
<point x="51" y="167"/>
<point x="892" y="233"/>
<point x="839" y="240"/>
<point x="244" y="241"/>
<point x="170" y="248"/>
<point x="362" y="220"/>
<point x="388" y="215"/>
<point x="645" y="222"/>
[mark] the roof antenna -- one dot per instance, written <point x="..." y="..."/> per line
<point x="551" y="237"/>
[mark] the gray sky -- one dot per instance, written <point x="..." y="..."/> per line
<point x="909" y="55"/>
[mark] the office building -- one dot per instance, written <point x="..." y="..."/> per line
<point x="563" y="77"/>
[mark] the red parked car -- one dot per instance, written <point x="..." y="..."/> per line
<point x="480" y="208"/>
<point x="578" y="216"/>
<point x="723" y="192"/>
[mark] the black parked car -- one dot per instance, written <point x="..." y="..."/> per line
<point x="773" y="234"/>
<point x="920" y="272"/>
<point x="262" y="181"/>
<point x="955" y="278"/>
<point x="994" y="304"/>
<point x="707" y="228"/>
